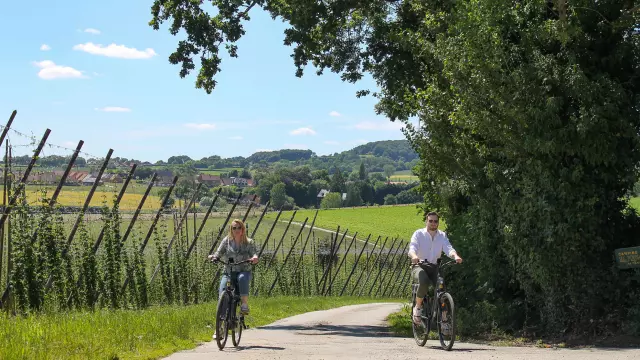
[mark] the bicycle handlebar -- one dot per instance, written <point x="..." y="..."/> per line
<point x="214" y="260"/>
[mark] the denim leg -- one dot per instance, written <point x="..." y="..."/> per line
<point x="244" y="279"/>
<point x="223" y="284"/>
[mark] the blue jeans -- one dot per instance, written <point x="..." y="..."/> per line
<point x="244" y="278"/>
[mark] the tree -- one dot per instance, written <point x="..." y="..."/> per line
<point x="528" y="135"/>
<point x="337" y="182"/>
<point x="362" y="172"/>
<point x="331" y="200"/>
<point x="353" y="195"/>
<point x="390" y="199"/>
<point x="389" y="170"/>
<point x="278" y="195"/>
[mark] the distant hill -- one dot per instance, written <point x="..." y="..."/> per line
<point x="374" y="154"/>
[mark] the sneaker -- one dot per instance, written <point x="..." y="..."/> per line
<point x="416" y="315"/>
<point x="244" y="309"/>
<point x="444" y="327"/>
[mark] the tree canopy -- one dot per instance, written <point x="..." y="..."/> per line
<point x="528" y="136"/>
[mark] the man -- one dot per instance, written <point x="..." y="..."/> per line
<point x="428" y="244"/>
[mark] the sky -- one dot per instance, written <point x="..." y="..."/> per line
<point x="96" y="71"/>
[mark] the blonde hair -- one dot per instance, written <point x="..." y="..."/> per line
<point x="243" y="239"/>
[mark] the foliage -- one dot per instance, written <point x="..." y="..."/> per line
<point x="529" y="128"/>
<point x="331" y="200"/>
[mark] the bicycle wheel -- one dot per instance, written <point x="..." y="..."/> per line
<point x="222" y="320"/>
<point x="236" y="330"/>
<point x="446" y="321"/>
<point x="420" y="331"/>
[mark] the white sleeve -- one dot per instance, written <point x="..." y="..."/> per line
<point x="413" y="245"/>
<point x="447" y="247"/>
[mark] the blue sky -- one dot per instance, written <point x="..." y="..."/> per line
<point x="95" y="70"/>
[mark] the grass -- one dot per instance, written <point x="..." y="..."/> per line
<point x="635" y="203"/>
<point x="220" y="171"/>
<point x="146" y="334"/>
<point x="400" y="221"/>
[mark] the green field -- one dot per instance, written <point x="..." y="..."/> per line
<point x="220" y="171"/>
<point x="393" y="221"/>
<point x="635" y="203"/>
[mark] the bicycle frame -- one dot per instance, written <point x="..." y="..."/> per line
<point x="439" y="290"/>
<point x="231" y="318"/>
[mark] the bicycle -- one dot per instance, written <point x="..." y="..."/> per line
<point x="443" y="314"/>
<point x="226" y="313"/>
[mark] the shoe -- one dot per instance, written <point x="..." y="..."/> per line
<point x="244" y="309"/>
<point x="417" y="315"/>
<point x="444" y="327"/>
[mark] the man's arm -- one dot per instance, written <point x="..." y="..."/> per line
<point x="450" y="251"/>
<point x="413" y="248"/>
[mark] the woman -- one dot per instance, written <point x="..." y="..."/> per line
<point x="239" y="247"/>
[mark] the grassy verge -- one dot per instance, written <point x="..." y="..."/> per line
<point x="147" y="334"/>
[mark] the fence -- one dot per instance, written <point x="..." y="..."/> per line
<point x="60" y="257"/>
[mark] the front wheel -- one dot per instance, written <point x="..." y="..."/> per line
<point x="222" y="320"/>
<point x="236" y="331"/>
<point x="446" y="321"/>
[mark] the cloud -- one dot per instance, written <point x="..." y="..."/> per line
<point x="115" y="51"/>
<point x="376" y="125"/>
<point x="114" y="109"/>
<point x="70" y="143"/>
<point x="335" y="114"/>
<point x="200" y="126"/>
<point x="45" y="47"/>
<point x="92" y="31"/>
<point x="296" y="146"/>
<point x="236" y="138"/>
<point x="49" y="71"/>
<point x="303" y="131"/>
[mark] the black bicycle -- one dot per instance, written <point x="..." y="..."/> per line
<point x="228" y="309"/>
<point x="441" y="310"/>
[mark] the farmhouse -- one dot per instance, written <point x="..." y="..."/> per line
<point x="210" y="180"/>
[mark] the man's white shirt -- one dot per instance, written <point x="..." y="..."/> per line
<point x="429" y="248"/>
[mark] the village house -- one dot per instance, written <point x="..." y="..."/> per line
<point x="209" y="180"/>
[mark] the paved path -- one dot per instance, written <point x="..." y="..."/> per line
<point x="359" y="332"/>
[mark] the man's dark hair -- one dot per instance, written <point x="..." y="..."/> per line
<point x="432" y="213"/>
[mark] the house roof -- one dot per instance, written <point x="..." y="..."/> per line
<point x="209" y="177"/>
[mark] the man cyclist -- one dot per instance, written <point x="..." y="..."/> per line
<point x="428" y="244"/>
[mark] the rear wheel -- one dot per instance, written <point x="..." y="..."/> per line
<point x="222" y="320"/>
<point x="236" y="331"/>
<point x="446" y="321"/>
<point x="420" y="331"/>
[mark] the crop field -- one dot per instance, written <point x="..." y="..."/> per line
<point x="393" y="221"/>
<point x="76" y="195"/>
<point x="635" y="203"/>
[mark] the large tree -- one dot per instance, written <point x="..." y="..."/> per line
<point x="528" y="134"/>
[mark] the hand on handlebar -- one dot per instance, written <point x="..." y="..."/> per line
<point x="213" y="258"/>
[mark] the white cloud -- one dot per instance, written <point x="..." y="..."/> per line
<point x="92" y="31"/>
<point x="114" y="109"/>
<point x="331" y="142"/>
<point x="236" y="138"/>
<point x="115" y="51"/>
<point x="45" y="47"/>
<point x="377" y="125"/>
<point x="200" y="126"/>
<point x="70" y="143"/>
<point x="49" y="71"/>
<point x="303" y="131"/>
<point x="335" y="114"/>
<point x="296" y="146"/>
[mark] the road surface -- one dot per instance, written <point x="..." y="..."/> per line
<point x="359" y="332"/>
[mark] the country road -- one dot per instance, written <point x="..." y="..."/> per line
<point x="359" y="332"/>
